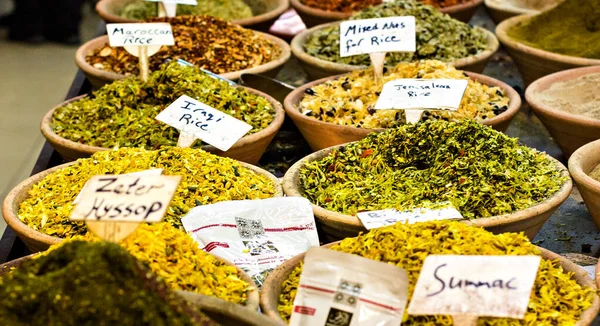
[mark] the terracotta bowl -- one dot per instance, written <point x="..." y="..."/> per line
<point x="501" y="10"/>
<point x="320" y="134"/>
<point x="268" y="12"/>
<point x="317" y="68"/>
<point x="337" y="226"/>
<point x="535" y="63"/>
<point x="581" y="163"/>
<point x="248" y="149"/>
<point x="99" y="78"/>
<point x="313" y="16"/>
<point x="271" y="289"/>
<point x="569" y="131"/>
<point x="37" y="241"/>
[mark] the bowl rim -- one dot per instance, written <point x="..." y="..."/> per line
<point x="545" y="82"/>
<point x="495" y="5"/>
<point x="581" y="155"/>
<point x="507" y="41"/>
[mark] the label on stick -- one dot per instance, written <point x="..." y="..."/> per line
<point x="492" y="286"/>
<point x="201" y="121"/>
<point x="390" y="34"/>
<point x="381" y="218"/>
<point x="441" y="94"/>
<point x="140" y="34"/>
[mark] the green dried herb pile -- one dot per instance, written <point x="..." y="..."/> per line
<point x="482" y="172"/>
<point x="439" y="36"/>
<point x="556" y="298"/>
<point x="85" y="283"/>
<point x="206" y="179"/>
<point x="222" y="9"/>
<point x="122" y="114"/>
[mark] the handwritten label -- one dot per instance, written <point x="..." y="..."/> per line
<point x="199" y="120"/>
<point x="144" y="172"/>
<point x="390" y="34"/>
<point x="441" y="94"/>
<point x="143" y="34"/>
<point x="381" y="218"/>
<point x="125" y="198"/>
<point x="493" y="286"/>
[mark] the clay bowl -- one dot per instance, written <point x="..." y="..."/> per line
<point x="337" y="226"/>
<point x="271" y="289"/>
<point x="99" y="78"/>
<point x="248" y="149"/>
<point x="320" y="134"/>
<point x="317" y="68"/>
<point x="313" y="16"/>
<point x="581" y="163"/>
<point x="37" y="241"/>
<point x="268" y="12"/>
<point x="570" y="131"/>
<point x="501" y="10"/>
<point x="535" y="63"/>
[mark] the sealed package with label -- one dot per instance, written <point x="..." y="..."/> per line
<point x="256" y="235"/>
<point x="339" y="289"/>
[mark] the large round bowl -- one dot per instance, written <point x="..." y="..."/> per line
<point x="320" y="134"/>
<point x="536" y="63"/>
<point x="271" y="289"/>
<point x="570" y="131"/>
<point x="337" y="226"/>
<point x="99" y="77"/>
<point x="581" y="163"/>
<point x="248" y="149"/>
<point x="317" y="68"/>
<point x="38" y="241"/>
<point x="501" y="10"/>
<point x="268" y="12"/>
<point x="313" y="16"/>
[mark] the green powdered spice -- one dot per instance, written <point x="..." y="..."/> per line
<point x="595" y="174"/>
<point x="85" y="283"/>
<point x="556" y="298"/>
<point x="482" y="172"/>
<point x="122" y="114"/>
<point x="222" y="9"/>
<point x="206" y="179"/>
<point x="571" y="28"/>
<point x="439" y="36"/>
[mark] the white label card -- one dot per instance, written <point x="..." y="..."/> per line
<point x="199" y="120"/>
<point x="491" y="286"/>
<point x="390" y="34"/>
<point x="125" y="198"/>
<point x="179" y="2"/>
<point x="441" y="94"/>
<point x="381" y="218"/>
<point x="142" y="34"/>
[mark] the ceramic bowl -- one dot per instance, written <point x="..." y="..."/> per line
<point x="501" y="10"/>
<point x="581" y="163"/>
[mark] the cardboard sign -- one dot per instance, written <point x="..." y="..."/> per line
<point x="381" y="218"/>
<point x="196" y="120"/>
<point x="145" y="172"/>
<point x="492" y="286"/>
<point x="142" y="34"/>
<point x="390" y="34"/>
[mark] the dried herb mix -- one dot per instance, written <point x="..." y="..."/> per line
<point x="357" y="5"/>
<point x="207" y="42"/>
<point x="595" y="174"/>
<point x="350" y="99"/>
<point x="439" y="36"/>
<point x="123" y="113"/>
<point x="206" y="179"/>
<point x="480" y="171"/>
<point x="222" y="9"/>
<point x="556" y="298"/>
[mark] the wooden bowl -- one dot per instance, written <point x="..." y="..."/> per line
<point x="99" y="77"/>
<point x="271" y="10"/>
<point x="313" y="16"/>
<point x="320" y="134"/>
<point x="317" y="68"/>
<point x="271" y="289"/>
<point x="570" y="131"/>
<point x="248" y="149"/>
<point x="337" y="226"/>
<point x="501" y="10"/>
<point x="536" y="63"/>
<point x="582" y="162"/>
<point x="37" y="241"/>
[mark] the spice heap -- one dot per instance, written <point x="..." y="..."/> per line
<point x="571" y="28"/>
<point x="206" y="179"/>
<point x="556" y="298"/>
<point x="207" y="42"/>
<point x="595" y="174"/>
<point x="439" y="36"/>
<point x="123" y="113"/>
<point x="354" y="5"/>
<point x="222" y="9"/>
<point x="350" y="99"/>
<point x="90" y="283"/>
<point x="574" y="96"/>
<point x="480" y="171"/>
